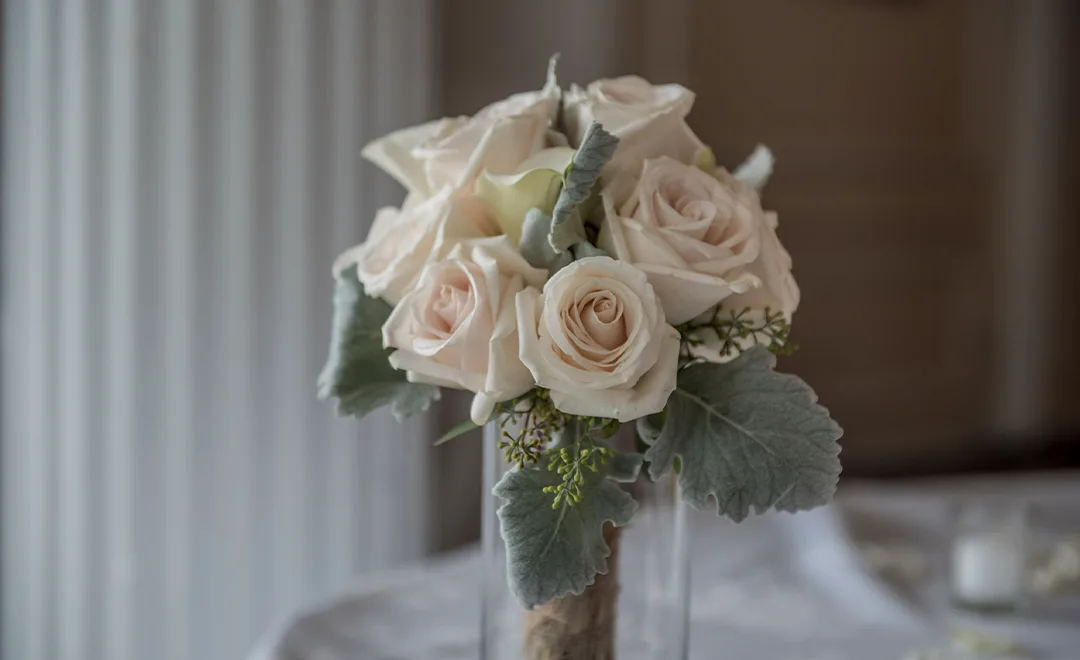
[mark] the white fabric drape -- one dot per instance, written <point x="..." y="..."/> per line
<point x="178" y="175"/>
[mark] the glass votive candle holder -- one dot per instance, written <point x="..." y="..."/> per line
<point x="990" y="556"/>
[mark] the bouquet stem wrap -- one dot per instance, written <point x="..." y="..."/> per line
<point x="578" y="627"/>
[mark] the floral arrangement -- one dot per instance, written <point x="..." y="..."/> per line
<point x="578" y="262"/>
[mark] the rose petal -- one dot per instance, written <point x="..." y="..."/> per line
<point x="482" y="407"/>
<point x="648" y="396"/>
<point x="507" y="143"/>
<point x="603" y="321"/>
<point x="778" y="292"/>
<point x="423" y="370"/>
<point x="647" y="245"/>
<point x="576" y="348"/>
<point x="394" y="154"/>
<point x="527" y="304"/>
<point x="403" y="242"/>
<point x="457" y="328"/>
<point x="686" y="294"/>
<point x="509" y="378"/>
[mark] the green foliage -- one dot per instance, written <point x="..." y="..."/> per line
<point x="532" y="430"/>
<point x="459" y="429"/>
<point x="575" y="453"/>
<point x="757" y="169"/>
<point x="358" y="372"/>
<point x="535" y="246"/>
<point x="556" y="550"/>
<point x="552" y="83"/>
<point x="531" y="425"/>
<point x="730" y="332"/>
<point x="573" y="464"/>
<point x="554" y="241"/>
<point x="747" y="436"/>
<point x="568" y="224"/>
<point x="586" y="249"/>
<point x="527" y="425"/>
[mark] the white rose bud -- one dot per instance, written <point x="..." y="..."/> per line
<point x="458" y="327"/>
<point x="453" y="151"/>
<point x="649" y="120"/>
<point x="402" y="241"/>
<point x="597" y="339"/>
<point x="700" y="239"/>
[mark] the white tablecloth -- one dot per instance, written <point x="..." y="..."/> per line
<point x="776" y="587"/>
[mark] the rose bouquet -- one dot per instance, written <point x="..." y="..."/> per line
<point x="578" y="262"/>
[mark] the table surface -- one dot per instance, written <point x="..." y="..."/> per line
<point x="775" y="587"/>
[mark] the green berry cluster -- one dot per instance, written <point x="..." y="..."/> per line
<point x="572" y="463"/>
<point x="533" y="428"/>
<point x="736" y="331"/>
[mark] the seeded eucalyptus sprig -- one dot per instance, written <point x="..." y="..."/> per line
<point x="527" y="427"/>
<point x="732" y="329"/>
<point x="532" y="428"/>
<point x="571" y="463"/>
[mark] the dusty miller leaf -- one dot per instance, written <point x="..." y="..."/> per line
<point x="597" y="148"/>
<point x="552" y="553"/>
<point x="749" y="437"/>
<point x="552" y="83"/>
<point x="649" y="427"/>
<point x="624" y="466"/>
<point x="358" y="372"/>
<point x="586" y="249"/>
<point x="757" y="168"/>
<point x="535" y="246"/>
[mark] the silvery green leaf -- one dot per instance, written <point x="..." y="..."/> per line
<point x="535" y="246"/>
<point x="624" y="466"/>
<point x="649" y="428"/>
<point x="749" y="437"/>
<point x="552" y="553"/>
<point x="597" y="148"/>
<point x="552" y="83"/>
<point x="586" y="249"/>
<point x="756" y="170"/>
<point x="569" y="231"/>
<point x="358" y="372"/>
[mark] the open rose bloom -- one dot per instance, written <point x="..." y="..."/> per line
<point x="577" y="261"/>
<point x="682" y="239"/>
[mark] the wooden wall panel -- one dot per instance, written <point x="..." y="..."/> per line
<point x="882" y="203"/>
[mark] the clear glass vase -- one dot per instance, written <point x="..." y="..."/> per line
<point x="638" y="611"/>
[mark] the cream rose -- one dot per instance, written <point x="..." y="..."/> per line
<point x="597" y="339"/>
<point x="458" y="327"/>
<point x="649" y="120"/>
<point x="453" y="151"/>
<point x="699" y="239"/>
<point x="402" y="241"/>
<point x="777" y="293"/>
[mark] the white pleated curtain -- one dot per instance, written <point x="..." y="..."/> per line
<point x="178" y="175"/>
